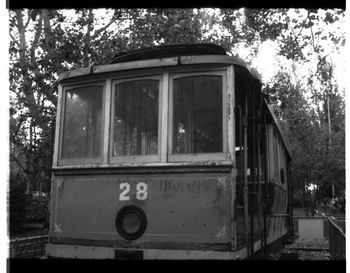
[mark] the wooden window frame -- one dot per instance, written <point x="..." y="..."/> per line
<point x="220" y="156"/>
<point x="136" y="158"/>
<point x="80" y="160"/>
<point x="165" y="112"/>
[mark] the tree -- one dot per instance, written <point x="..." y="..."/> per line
<point x="317" y="162"/>
<point x="45" y="43"/>
<point x="39" y="50"/>
<point x="309" y="104"/>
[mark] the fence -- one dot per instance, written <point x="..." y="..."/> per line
<point x="336" y="239"/>
<point x="308" y="227"/>
<point x="29" y="247"/>
<point x="321" y="233"/>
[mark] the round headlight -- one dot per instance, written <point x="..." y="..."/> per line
<point x="131" y="222"/>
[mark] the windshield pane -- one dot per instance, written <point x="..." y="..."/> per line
<point x="82" y="132"/>
<point x="136" y="118"/>
<point x="197" y="114"/>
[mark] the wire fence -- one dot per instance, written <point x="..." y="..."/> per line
<point x="308" y="227"/>
<point x="321" y="233"/>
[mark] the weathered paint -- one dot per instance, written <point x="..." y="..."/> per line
<point x="136" y="65"/>
<point x="58" y="122"/>
<point x="74" y="73"/>
<point x="57" y="228"/>
<point x="148" y="165"/>
<point x="230" y="103"/>
<point x="189" y="204"/>
<point x="164" y="97"/>
<point x="189" y="208"/>
<point x="91" y="252"/>
<point x="164" y="62"/>
<point x="107" y="124"/>
<point x="105" y="252"/>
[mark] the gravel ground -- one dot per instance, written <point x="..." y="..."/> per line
<point x="311" y="249"/>
<point x="314" y="255"/>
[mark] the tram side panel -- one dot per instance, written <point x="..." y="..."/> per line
<point x="278" y="218"/>
<point x="183" y="211"/>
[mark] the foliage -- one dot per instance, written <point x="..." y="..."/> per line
<point x="164" y="26"/>
<point x="17" y="210"/>
<point x="317" y="146"/>
<point x="310" y="105"/>
<point x="37" y="209"/>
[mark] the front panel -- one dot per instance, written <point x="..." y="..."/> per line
<point x="183" y="210"/>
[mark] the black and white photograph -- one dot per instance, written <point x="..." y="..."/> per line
<point x="202" y="133"/>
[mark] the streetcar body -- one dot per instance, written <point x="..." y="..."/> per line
<point x="168" y="153"/>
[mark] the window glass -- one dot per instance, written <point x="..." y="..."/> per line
<point x="136" y="118"/>
<point x="82" y="132"/>
<point x="197" y="114"/>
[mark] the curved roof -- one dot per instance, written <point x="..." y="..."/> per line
<point x="164" y="56"/>
<point x="166" y="51"/>
<point x="167" y="56"/>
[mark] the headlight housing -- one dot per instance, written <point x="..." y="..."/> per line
<point x="131" y="222"/>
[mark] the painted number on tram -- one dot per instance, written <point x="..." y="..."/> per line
<point x="141" y="191"/>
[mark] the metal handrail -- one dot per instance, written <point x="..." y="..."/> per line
<point x="336" y="240"/>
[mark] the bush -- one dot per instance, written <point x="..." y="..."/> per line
<point x="18" y="202"/>
<point x="297" y="203"/>
<point x="37" y="209"/>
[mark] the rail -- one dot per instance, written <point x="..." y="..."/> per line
<point x="336" y="240"/>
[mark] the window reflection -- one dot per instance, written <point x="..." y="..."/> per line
<point x="197" y="112"/>
<point x="83" y="123"/>
<point x="136" y="118"/>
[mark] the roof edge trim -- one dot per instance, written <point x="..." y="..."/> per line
<point x="270" y="109"/>
<point x="173" y="61"/>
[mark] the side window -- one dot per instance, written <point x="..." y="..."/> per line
<point x="82" y="123"/>
<point x="135" y="119"/>
<point x="197" y="114"/>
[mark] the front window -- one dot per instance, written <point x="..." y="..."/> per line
<point x="135" y="118"/>
<point x="82" y="127"/>
<point x="197" y="117"/>
<point x="169" y="117"/>
<point x="197" y="112"/>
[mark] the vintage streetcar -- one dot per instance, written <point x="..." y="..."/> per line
<point x="169" y="152"/>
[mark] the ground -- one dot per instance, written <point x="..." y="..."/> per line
<point x="312" y="249"/>
<point x="295" y="249"/>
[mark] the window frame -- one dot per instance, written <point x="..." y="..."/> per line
<point x="165" y="108"/>
<point x="135" y="158"/>
<point x="81" y="160"/>
<point x="219" y="156"/>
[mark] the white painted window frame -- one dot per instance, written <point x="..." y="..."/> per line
<point x="198" y="156"/>
<point x="164" y="155"/>
<point x="61" y="117"/>
<point x="136" y="158"/>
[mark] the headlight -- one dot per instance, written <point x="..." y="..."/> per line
<point x="131" y="222"/>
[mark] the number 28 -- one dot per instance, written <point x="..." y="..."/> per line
<point x="141" y="191"/>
